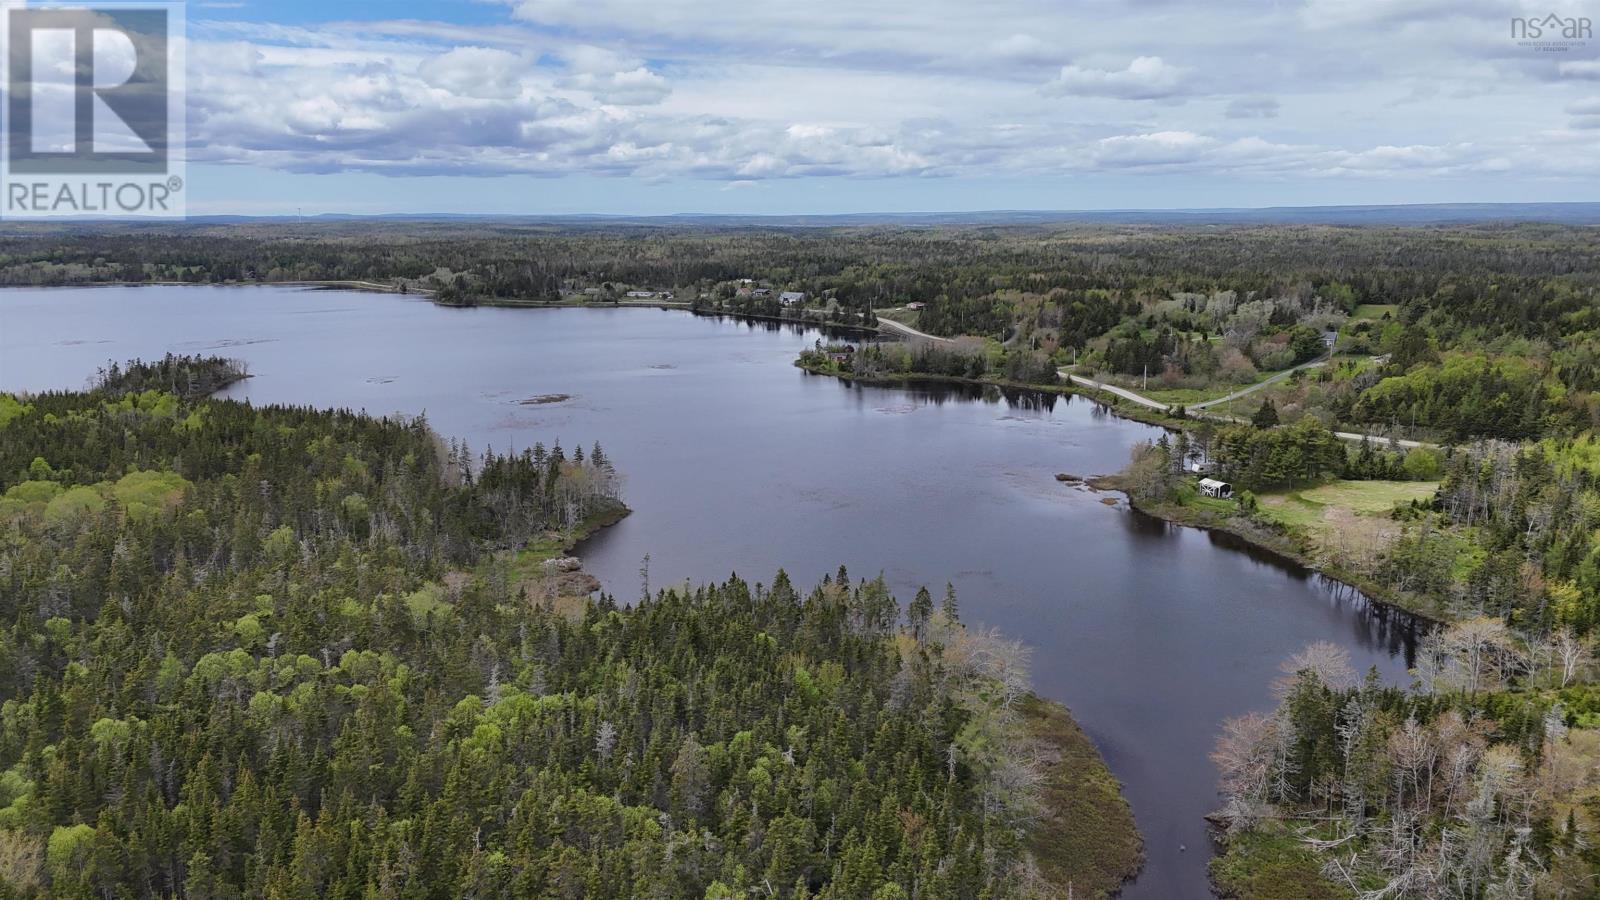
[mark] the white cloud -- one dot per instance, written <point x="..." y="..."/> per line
<point x="476" y="72"/>
<point x="635" y="87"/>
<point x="1161" y="148"/>
<point x="1145" y="78"/>
<point x="746" y="93"/>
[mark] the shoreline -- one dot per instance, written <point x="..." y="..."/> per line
<point x="1079" y="787"/>
<point x="1286" y="549"/>
<point x="1078" y="784"/>
<point x="375" y="287"/>
<point x="555" y="545"/>
<point x="1108" y="401"/>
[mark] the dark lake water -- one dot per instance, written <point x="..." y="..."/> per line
<point x="735" y="461"/>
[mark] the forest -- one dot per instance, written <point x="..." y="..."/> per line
<point x="291" y="652"/>
<point x="1482" y="779"/>
<point x="835" y="745"/>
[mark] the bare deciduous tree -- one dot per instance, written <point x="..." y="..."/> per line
<point x="1329" y="662"/>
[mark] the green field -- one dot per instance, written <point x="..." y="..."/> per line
<point x="1376" y="310"/>
<point x="1310" y="509"/>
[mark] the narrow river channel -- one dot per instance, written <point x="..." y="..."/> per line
<point x="735" y="461"/>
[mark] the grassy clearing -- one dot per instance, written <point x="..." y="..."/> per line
<point x="1085" y="835"/>
<point x="1210" y="504"/>
<point x="1282" y="392"/>
<point x="1288" y="391"/>
<point x="1188" y="396"/>
<point x="900" y="314"/>
<point x="1376" y="310"/>
<point x="1370" y="496"/>
<point x="1293" y="510"/>
<point x="1346" y="509"/>
<point x="1272" y="865"/>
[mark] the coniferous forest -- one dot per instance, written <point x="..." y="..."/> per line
<point x="286" y="652"/>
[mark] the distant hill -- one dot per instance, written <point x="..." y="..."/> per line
<point x="1410" y="214"/>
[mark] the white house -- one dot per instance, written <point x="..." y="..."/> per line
<point x="642" y="295"/>
<point x="791" y="298"/>
<point x="1211" y="487"/>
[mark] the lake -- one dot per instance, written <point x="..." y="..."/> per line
<point x="735" y="461"/>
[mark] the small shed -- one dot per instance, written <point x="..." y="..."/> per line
<point x="1211" y="487"/>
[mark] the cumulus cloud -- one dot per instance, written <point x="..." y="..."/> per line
<point x="738" y="93"/>
<point x="476" y="72"/>
<point x="1161" y="148"/>
<point x="635" y="87"/>
<point x="482" y="111"/>
<point x="1389" y="158"/>
<point x="1145" y="78"/>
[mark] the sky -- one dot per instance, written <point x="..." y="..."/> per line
<point x="647" y="107"/>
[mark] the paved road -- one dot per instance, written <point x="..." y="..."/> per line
<point x="1113" y="389"/>
<point x="906" y="331"/>
<point x="903" y="330"/>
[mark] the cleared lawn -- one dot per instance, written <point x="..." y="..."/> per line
<point x="1328" y="506"/>
<point x="900" y="314"/>
<point x="1376" y="310"/>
